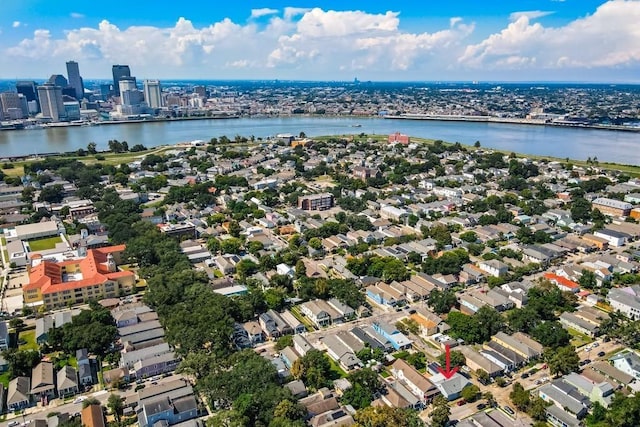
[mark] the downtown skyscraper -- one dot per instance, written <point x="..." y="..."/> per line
<point x="153" y="93"/>
<point x="119" y="72"/>
<point x="75" y="81"/>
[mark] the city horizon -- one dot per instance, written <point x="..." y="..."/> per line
<point x="534" y="41"/>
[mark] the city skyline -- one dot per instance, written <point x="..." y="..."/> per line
<point x="540" y="40"/>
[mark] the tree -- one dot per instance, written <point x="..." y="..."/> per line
<point x="442" y="301"/>
<point x="290" y="410"/>
<point x="21" y="362"/>
<point x="551" y="334"/>
<point x="537" y="409"/>
<point x="91" y="148"/>
<point x="284" y="341"/>
<point x="17" y="324"/>
<point x="314" y="369"/>
<point x="588" y="279"/>
<point x="89" y="402"/>
<point x="470" y="393"/>
<point x="519" y="397"/>
<point x="563" y="360"/>
<point x="483" y="376"/>
<point x="581" y="209"/>
<point x="456" y="359"/>
<point x="115" y="405"/>
<point x="440" y="413"/>
<point x="384" y="416"/>
<point x="365" y="383"/>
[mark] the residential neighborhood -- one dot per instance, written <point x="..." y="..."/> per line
<point x="319" y="280"/>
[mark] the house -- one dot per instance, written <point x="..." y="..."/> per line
<point x="450" y="387"/>
<point x="627" y="362"/>
<point x="430" y="323"/>
<point x="562" y="283"/>
<point x="346" y="312"/>
<point x="254" y="332"/>
<point x="338" y="351"/>
<point x="478" y="361"/>
<point x="565" y="396"/>
<point x="626" y="301"/>
<point x="85" y="377"/>
<point x="166" y="404"/>
<point x="296" y="326"/>
<point x="397" y="339"/>
<point x="92" y="416"/>
<point x="494" y="267"/>
<point x="614" y="238"/>
<point x="67" y="381"/>
<point x="156" y="365"/>
<point x="18" y="393"/>
<point x="42" y="381"/>
<point x="601" y="392"/>
<point x="315" y="313"/>
<point x="417" y="383"/>
<point x="519" y="343"/>
<point x="301" y="345"/>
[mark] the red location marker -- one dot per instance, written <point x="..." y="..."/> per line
<point x="448" y="372"/>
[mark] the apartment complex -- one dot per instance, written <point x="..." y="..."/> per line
<point x="62" y="283"/>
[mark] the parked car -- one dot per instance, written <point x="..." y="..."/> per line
<point x="508" y="410"/>
<point x="461" y="402"/>
<point x="601" y="354"/>
<point x="525" y="375"/>
<point x="481" y="406"/>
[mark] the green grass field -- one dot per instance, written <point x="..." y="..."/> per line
<point x="29" y="339"/>
<point x="337" y="371"/>
<point x="44" y="244"/>
<point x="578" y="339"/>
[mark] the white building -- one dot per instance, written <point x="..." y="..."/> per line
<point x="153" y="93"/>
<point x="51" y="103"/>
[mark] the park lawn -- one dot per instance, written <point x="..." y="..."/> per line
<point x="44" y="244"/>
<point x="30" y="340"/>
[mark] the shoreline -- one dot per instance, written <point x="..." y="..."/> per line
<point x="412" y="117"/>
<point x="500" y="120"/>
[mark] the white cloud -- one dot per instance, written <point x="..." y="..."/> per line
<point x="328" y="44"/>
<point x="302" y="43"/>
<point x="610" y="37"/>
<point x="265" y="11"/>
<point x="292" y="12"/>
<point x="529" y="14"/>
<point x="16" y="24"/>
<point x="76" y="15"/>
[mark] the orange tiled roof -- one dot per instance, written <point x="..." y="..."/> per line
<point x="563" y="281"/>
<point x="47" y="276"/>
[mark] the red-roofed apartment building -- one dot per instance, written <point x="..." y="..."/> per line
<point x="75" y="281"/>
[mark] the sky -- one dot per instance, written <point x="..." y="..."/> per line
<point x="403" y="40"/>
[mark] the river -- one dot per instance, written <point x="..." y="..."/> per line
<point x="612" y="146"/>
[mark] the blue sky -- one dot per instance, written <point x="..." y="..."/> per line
<point x="559" y="40"/>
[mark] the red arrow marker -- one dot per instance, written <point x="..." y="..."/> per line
<point x="448" y="372"/>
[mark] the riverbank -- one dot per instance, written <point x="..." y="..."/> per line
<point x="513" y="121"/>
<point x="106" y="157"/>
